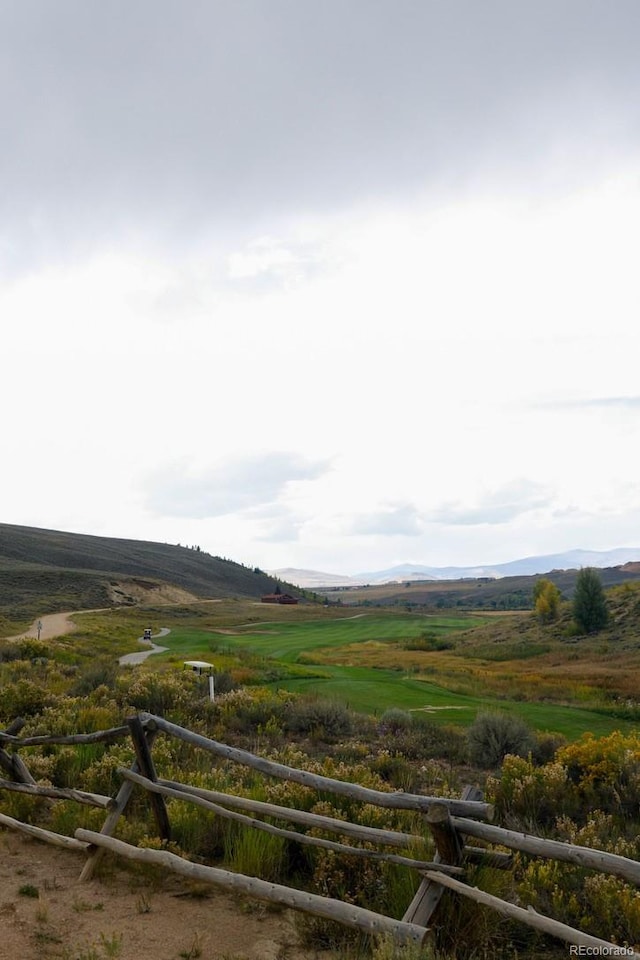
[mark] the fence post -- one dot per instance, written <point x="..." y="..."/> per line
<point x="148" y="770"/>
<point x="11" y="762"/>
<point x="121" y="800"/>
<point x="449" y="850"/>
<point x="447" y="840"/>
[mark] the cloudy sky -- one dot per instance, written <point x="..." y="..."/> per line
<point x="329" y="285"/>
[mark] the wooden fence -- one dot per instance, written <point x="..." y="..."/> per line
<point x="448" y="822"/>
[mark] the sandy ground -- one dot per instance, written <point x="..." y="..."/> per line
<point x="50" y="625"/>
<point x="126" y="916"/>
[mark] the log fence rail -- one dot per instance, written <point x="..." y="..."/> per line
<point x="448" y="823"/>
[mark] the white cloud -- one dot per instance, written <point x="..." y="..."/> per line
<point x="499" y="506"/>
<point x="228" y="487"/>
<point x="393" y="521"/>
<point x="597" y="403"/>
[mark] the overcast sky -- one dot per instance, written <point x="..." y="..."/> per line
<point x="330" y="285"/>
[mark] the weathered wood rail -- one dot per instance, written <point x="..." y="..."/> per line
<point x="448" y="823"/>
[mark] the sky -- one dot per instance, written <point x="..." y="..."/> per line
<point x="332" y="285"/>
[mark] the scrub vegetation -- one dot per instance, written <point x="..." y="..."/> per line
<point x="540" y="715"/>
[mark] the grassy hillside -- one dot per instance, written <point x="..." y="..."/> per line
<point x="47" y="570"/>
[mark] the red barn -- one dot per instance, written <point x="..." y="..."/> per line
<point x="278" y="598"/>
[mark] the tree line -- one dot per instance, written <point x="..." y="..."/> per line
<point x="589" y="605"/>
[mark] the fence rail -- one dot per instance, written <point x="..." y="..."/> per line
<point x="448" y="822"/>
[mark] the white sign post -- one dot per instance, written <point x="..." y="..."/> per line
<point x="212" y="695"/>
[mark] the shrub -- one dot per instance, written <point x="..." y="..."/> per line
<point x="428" y="640"/>
<point x="162" y="693"/>
<point x="591" y="776"/>
<point x="605" y="771"/>
<point x="22" y="699"/>
<point x="9" y="650"/>
<point x="32" y="649"/>
<point x="396" y="770"/>
<point x="530" y="795"/>
<point x="394" y="720"/>
<point x="545" y="746"/>
<point x="425" y="739"/>
<point x="248" y="710"/>
<point x="326" y="717"/>
<point x="224" y="683"/>
<point x="494" y="735"/>
<point x="593" y="903"/>
<point x="99" y="673"/>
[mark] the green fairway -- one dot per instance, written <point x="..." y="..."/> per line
<point x="373" y="690"/>
<point x="286" y="641"/>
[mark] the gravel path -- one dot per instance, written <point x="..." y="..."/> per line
<point x="131" y="659"/>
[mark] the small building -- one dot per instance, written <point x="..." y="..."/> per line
<point x="279" y="598"/>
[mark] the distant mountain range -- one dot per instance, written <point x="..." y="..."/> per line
<point x="527" y="566"/>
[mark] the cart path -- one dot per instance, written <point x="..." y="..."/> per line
<point x="131" y="659"/>
<point x="51" y="625"/>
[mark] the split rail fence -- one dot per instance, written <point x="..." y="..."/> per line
<point x="449" y="823"/>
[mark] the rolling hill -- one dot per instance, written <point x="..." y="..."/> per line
<point x="480" y="593"/>
<point x="48" y="570"/>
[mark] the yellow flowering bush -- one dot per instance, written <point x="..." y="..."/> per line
<point x="605" y="771"/>
<point x="161" y="693"/>
<point x="594" y="902"/>
<point x="588" y="795"/>
<point x="532" y="795"/>
<point x="599" y="832"/>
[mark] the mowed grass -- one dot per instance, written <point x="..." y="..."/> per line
<point x="286" y="641"/>
<point x="373" y="690"/>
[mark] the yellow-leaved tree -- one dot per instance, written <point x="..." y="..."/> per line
<point x="546" y="600"/>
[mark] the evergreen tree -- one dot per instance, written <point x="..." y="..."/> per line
<point x="589" y="602"/>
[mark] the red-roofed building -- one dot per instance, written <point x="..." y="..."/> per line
<point x="279" y="598"/>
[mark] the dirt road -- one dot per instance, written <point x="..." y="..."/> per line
<point x="51" y="625"/>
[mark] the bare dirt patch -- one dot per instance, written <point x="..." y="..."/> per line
<point x="143" y="591"/>
<point x="50" y="625"/>
<point x="46" y="913"/>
